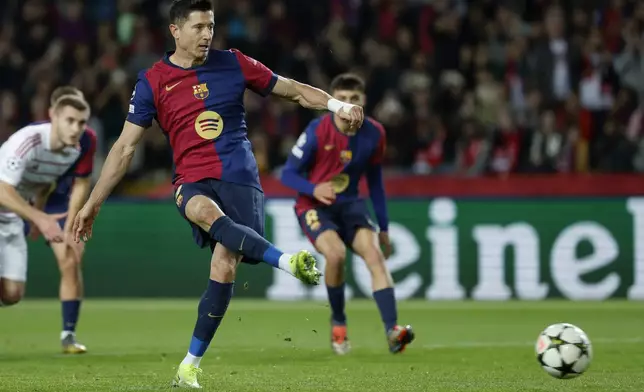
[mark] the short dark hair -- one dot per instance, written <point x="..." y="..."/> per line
<point x="348" y="81"/>
<point x="181" y="9"/>
<point x="74" y="101"/>
<point x="64" y="90"/>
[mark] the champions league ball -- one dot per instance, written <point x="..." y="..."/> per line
<point x="564" y="351"/>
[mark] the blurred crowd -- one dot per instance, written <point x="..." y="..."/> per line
<point x="485" y="87"/>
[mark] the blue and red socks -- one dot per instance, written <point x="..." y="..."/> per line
<point x="211" y="311"/>
<point x="386" y="301"/>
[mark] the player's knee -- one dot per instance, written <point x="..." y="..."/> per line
<point x="202" y="211"/>
<point x="69" y="268"/>
<point x="11" y="296"/>
<point x="374" y="259"/>
<point x="11" y="292"/>
<point x="8" y="300"/>
<point x="336" y="255"/>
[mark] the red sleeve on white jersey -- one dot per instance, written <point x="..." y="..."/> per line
<point x="16" y="153"/>
<point x="85" y="164"/>
<point x="259" y="77"/>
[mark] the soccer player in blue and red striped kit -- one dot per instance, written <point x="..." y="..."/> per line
<point x="196" y="96"/>
<point x="325" y="167"/>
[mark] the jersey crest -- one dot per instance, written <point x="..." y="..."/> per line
<point x="200" y="91"/>
<point x="345" y="156"/>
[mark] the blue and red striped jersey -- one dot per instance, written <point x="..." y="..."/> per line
<point x="83" y="167"/>
<point x="201" y="112"/>
<point x="323" y="153"/>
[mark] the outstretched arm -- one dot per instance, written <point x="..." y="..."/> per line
<point x="308" y="96"/>
<point x="116" y="163"/>
<point x="141" y="113"/>
<point x="263" y="81"/>
<point x="114" y="168"/>
<point x="313" y="98"/>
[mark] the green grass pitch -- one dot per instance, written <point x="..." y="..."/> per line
<point x="135" y="345"/>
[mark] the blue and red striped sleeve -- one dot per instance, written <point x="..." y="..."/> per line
<point x="142" y="109"/>
<point x="300" y="159"/>
<point x="259" y="78"/>
<point x="375" y="181"/>
<point x="85" y="165"/>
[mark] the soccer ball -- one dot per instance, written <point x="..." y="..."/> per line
<point x="564" y="351"/>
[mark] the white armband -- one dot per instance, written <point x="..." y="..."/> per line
<point x="335" y="106"/>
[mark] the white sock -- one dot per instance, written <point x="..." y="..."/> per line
<point x="191" y="360"/>
<point x="284" y="263"/>
<point x="65" y="334"/>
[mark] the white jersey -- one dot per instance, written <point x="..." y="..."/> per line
<point x="27" y="163"/>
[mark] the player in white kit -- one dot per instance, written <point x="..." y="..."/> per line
<point x="68" y="195"/>
<point x="31" y="161"/>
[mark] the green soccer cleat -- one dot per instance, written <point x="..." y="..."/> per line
<point x="303" y="267"/>
<point x="186" y="377"/>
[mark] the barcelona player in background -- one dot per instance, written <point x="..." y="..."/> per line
<point x="196" y="95"/>
<point x="67" y="195"/>
<point x="325" y="167"/>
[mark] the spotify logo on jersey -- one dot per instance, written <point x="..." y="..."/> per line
<point x="209" y="125"/>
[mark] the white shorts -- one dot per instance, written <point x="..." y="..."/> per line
<point x="13" y="250"/>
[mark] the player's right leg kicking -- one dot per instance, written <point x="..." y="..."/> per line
<point x="245" y="241"/>
<point x="232" y="240"/>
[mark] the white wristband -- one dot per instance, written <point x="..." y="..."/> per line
<point x="335" y="106"/>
